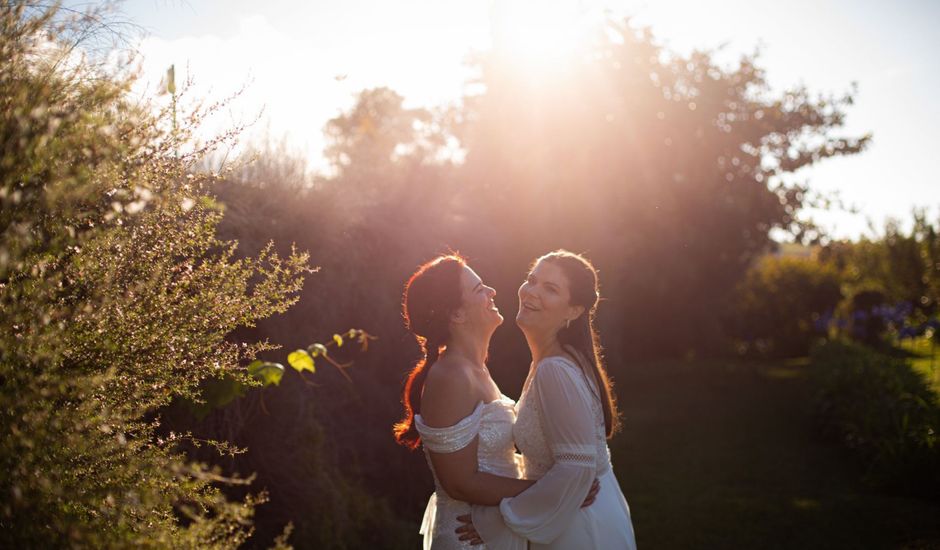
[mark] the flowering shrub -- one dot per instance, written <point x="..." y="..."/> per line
<point x="116" y="298"/>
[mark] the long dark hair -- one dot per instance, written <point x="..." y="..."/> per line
<point x="580" y="337"/>
<point x="431" y="296"/>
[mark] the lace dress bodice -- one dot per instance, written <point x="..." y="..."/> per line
<point x="561" y="434"/>
<point x="529" y="431"/>
<point x="492" y="422"/>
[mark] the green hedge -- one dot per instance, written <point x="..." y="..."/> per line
<point x="881" y="408"/>
<point x="782" y="305"/>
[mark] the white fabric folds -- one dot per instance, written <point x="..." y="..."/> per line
<point x="452" y="438"/>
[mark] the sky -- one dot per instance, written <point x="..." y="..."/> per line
<point x="303" y="61"/>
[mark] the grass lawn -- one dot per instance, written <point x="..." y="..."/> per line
<point x="926" y="359"/>
<point x="724" y="455"/>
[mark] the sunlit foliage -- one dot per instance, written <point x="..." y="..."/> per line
<point x="117" y="296"/>
<point x="903" y="266"/>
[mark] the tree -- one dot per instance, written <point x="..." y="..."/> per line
<point x="380" y="130"/>
<point x="669" y="170"/>
<point x="904" y="266"/>
<point x="893" y="277"/>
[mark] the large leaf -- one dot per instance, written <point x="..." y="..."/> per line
<point x="301" y="361"/>
<point x="269" y="373"/>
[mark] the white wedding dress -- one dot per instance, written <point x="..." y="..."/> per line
<point x="561" y="434"/>
<point x="493" y="423"/>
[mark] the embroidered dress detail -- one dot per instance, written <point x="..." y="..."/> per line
<point x="579" y="455"/>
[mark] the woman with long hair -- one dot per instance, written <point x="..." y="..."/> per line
<point x="452" y="408"/>
<point x="564" y="417"/>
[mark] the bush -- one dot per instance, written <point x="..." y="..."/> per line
<point x="866" y="325"/>
<point x="781" y="305"/>
<point x="116" y="298"/>
<point x="883" y="410"/>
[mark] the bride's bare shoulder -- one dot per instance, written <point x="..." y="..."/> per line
<point x="450" y="392"/>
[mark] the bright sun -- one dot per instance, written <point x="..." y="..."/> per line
<point x="540" y="32"/>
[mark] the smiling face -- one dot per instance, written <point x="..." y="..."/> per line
<point x="478" y="308"/>
<point x="545" y="300"/>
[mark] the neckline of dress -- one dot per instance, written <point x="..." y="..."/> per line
<point x="480" y="405"/>
<point x="501" y="399"/>
<point x="565" y="358"/>
<point x="535" y="368"/>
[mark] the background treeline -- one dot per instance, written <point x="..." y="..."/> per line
<point x="880" y="290"/>
<point x="123" y="307"/>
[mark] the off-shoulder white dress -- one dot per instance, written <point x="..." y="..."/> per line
<point x="561" y="434"/>
<point x="493" y="423"/>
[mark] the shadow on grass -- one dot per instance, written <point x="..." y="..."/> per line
<point x="725" y="455"/>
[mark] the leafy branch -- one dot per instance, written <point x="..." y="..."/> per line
<point x="305" y="359"/>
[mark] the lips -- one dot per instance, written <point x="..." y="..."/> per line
<point x="529" y="307"/>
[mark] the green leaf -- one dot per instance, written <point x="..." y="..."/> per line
<point x="338" y="339"/>
<point x="217" y="393"/>
<point x="269" y="373"/>
<point x="316" y="350"/>
<point x="301" y="361"/>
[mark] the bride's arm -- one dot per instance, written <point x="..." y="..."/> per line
<point x="459" y="476"/>
<point x="446" y="402"/>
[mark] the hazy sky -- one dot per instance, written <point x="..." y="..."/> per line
<point x="291" y="53"/>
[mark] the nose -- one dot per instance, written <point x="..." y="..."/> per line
<point x="491" y="291"/>
<point x="525" y="290"/>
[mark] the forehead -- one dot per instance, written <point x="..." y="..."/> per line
<point x="469" y="278"/>
<point x="549" y="272"/>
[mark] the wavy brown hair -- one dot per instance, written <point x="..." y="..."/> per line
<point x="581" y="338"/>
<point x="432" y="294"/>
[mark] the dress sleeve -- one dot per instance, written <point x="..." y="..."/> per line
<point x="452" y="438"/>
<point x="542" y="512"/>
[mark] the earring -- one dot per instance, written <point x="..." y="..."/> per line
<point x="568" y="323"/>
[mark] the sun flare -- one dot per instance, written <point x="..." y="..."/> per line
<point x="540" y="33"/>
